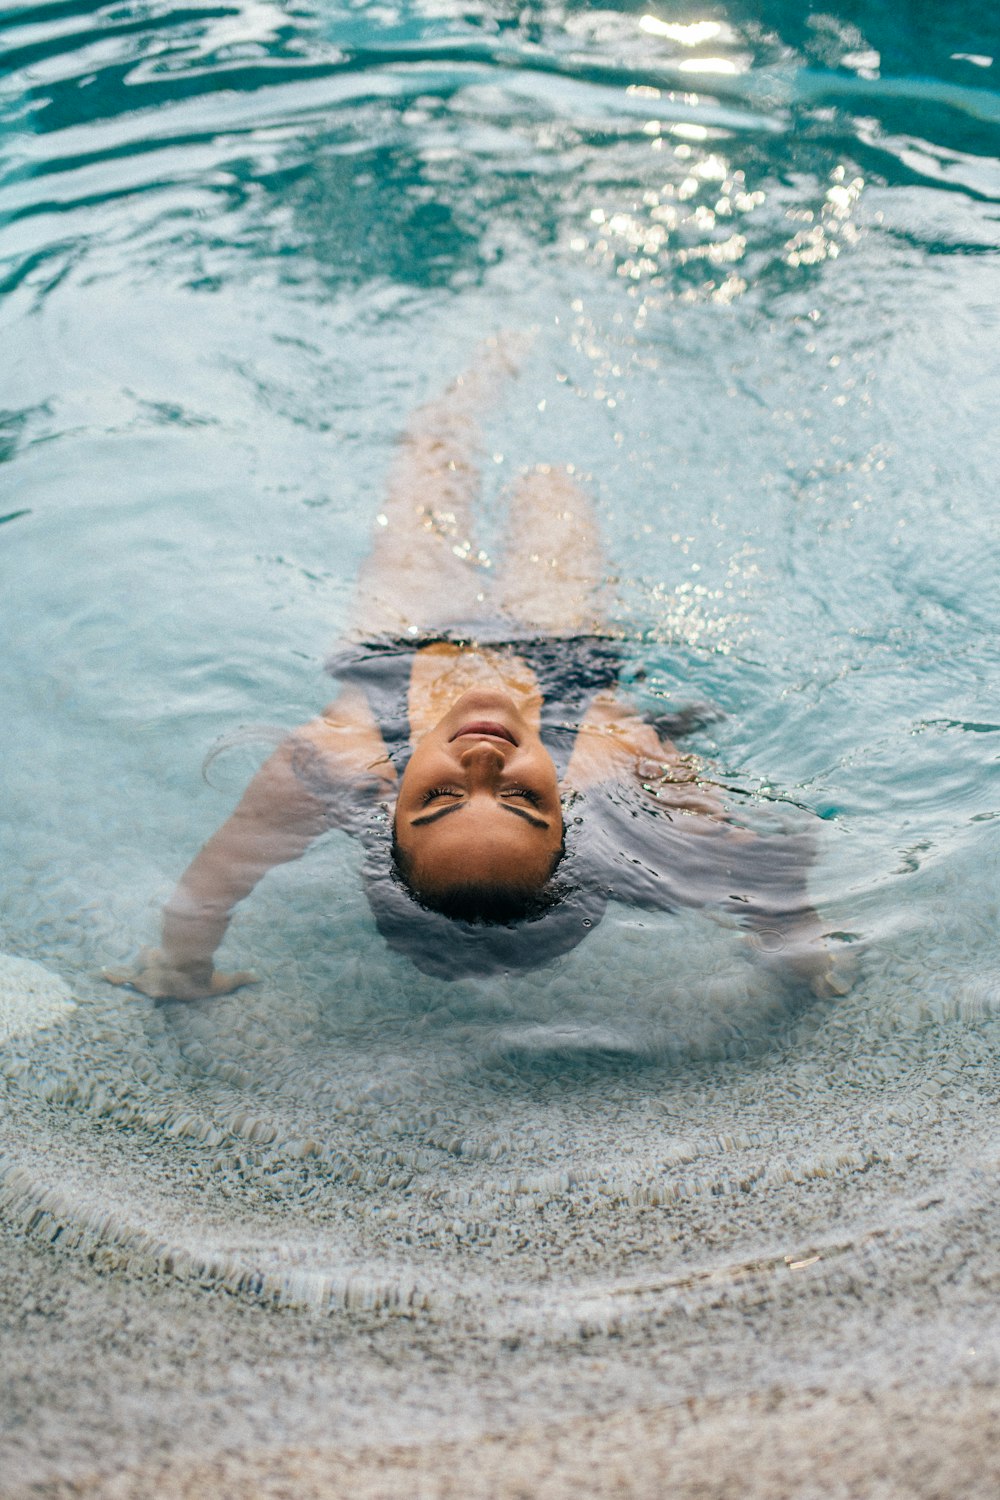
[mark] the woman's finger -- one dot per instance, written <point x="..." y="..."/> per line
<point x="224" y="984"/>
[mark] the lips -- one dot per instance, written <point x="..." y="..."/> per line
<point x="485" y="729"/>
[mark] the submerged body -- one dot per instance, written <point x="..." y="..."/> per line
<point x="454" y="752"/>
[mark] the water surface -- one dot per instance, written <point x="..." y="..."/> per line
<point x="238" y="243"/>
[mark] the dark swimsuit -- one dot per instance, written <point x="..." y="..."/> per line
<point x="571" y="671"/>
<point x="625" y="848"/>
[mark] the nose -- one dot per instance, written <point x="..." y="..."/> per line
<point x="482" y="763"/>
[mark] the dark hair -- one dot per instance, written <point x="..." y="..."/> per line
<point x="486" y="903"/>
<point x="478" y="928"/>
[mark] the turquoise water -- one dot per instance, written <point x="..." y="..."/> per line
<point x="238" y="244"/>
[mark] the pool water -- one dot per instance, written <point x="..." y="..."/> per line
<point x="757" y="245"/>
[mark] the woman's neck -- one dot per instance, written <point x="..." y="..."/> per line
<point x="443" y="672"/>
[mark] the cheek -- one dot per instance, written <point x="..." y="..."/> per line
<point x="419" y="774"/>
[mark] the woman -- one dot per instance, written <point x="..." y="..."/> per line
<point x="480" y="748"/>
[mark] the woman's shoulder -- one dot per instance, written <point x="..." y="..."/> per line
<point x="614" y="742"/>
<point x="341" y="756"/>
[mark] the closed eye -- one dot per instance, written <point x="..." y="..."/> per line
<point x="437" y="792"/>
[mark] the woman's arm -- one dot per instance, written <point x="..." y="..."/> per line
<point x="672" y="841"/>
<point x="615" y="744"/>
<point x="305" y="788"/>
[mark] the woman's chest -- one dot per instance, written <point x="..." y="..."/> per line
<point x="442" y="673"/>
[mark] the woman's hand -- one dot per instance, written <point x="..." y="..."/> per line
<point x="827" y="974"/>
<point x="805" y="958"/>
<point x="154" y="975"/>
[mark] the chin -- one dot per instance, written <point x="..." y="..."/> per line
<point x="485" y="697"/>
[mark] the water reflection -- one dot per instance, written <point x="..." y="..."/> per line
<point x="447" y="130"/>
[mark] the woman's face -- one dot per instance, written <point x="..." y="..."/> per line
<point x="479" y="799"/>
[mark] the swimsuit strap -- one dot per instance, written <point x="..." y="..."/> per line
<point x="381" y="668"/>
<point x="571" y="671"/>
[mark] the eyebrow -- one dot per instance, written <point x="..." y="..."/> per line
<point x="454" y="807"/>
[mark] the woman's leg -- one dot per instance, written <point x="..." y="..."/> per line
<point x="553" y="575"/>
<point x="424" y="570"/>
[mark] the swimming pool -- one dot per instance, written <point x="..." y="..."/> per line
<point x="238" y="243"/>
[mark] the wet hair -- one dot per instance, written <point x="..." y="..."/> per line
<point x="487" y="903"/>
<point x="478" y="928"/>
